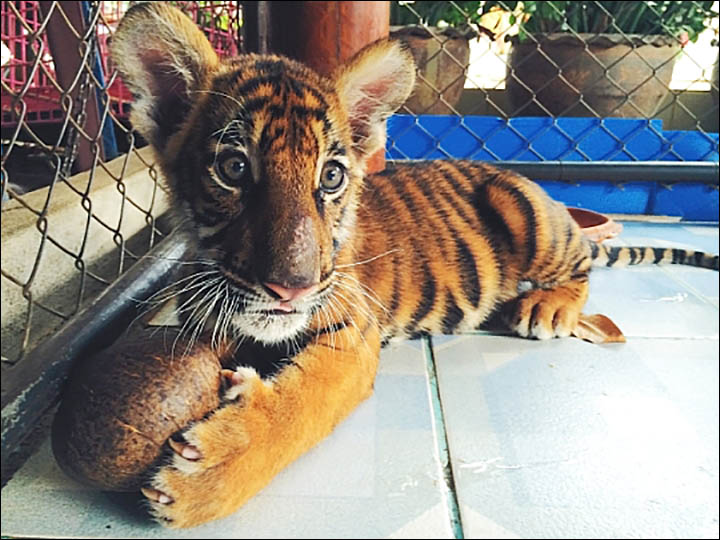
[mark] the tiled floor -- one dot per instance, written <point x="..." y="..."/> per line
<point x="490" y="436"/>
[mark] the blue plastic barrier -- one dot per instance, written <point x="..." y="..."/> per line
<point x="490" y="138"/>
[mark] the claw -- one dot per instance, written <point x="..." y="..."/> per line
<point x="157" y="496"/>
<point x="233" y="377"/>
<point x="187" y="451"/>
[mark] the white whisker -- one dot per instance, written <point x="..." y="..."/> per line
<point x="369" y="260"/>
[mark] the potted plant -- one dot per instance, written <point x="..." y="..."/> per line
<point x="577" y="58"/>
<point x="438" y="35"/>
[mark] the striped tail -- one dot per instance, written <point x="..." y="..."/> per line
<point x="620" y="257"/>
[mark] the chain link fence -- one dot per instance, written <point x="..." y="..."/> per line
<point x="81" y="200"/>
<point x="568" y="81"/>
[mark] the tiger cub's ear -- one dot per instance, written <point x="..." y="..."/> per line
<point x="163" y="58"/>
<point x="372" y="85"/>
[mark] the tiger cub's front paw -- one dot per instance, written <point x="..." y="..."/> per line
<point x="546" y="313"/>
<point x="207" y="470"/>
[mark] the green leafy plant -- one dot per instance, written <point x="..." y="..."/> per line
<point x="431" y="13"/>
<point x="683" y="19"/>
<point x="679" y="19"/>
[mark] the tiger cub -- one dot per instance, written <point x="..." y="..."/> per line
<point x="297" y="247"/>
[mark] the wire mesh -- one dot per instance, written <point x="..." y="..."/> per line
<point x="564" y="72"/>
<point x="81" y="199"/>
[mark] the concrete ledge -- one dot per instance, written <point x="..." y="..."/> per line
<point x="64" y="281"/>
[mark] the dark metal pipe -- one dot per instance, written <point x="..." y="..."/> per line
<point x="34" y="385"/>
<point x="705" y="172"/>
<point x="618" y="172"/>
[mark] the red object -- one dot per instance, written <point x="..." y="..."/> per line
<point x="597" y="227"/>
<point x="19" y="21"/>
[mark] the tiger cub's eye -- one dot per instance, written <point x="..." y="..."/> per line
<point x="332" y="178"/>
<point x="232" y="167"/>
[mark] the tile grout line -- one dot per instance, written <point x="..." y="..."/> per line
<point x="441" y="439"/>
<point x="686" y="284"/>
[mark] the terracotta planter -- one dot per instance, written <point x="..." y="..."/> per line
<point x="597" y="227"/>
<point x="593" y="75"/>
<point x="442" y="57"/>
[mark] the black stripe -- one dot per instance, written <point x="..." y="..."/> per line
<point x="273" y="67"/>
<point x="379" y="198"/>
<point x="613" y="254"/>
<point x="450" y="197"/>
<point x="453" y="315"/>
<point x="253" y="105"/>
<point x="427" y="299"/>
<point x="279" y="76"/>
<point x="569" y="233"/>
<point x="302" y="111"/>
<point x="659" y="254"/>
<point x="276" y="111"/>
<point x="407" y="200"/>
<point x="336" y="149"/>
<point x="464" y="192"/>
<point x="331" y="329"/>
<point x="395" y="302"/>
<point x="492" y="219"/>
<point x="528" y="212"/>
<point x="406" y="197"/>
<point x="678" y="256"/>
<point x="633" y="256"/>
<point x="429" y="286"/>
<point x="250" y="86"/>
<point x="475" y="174"/>
<point x="267" y="138"/>
<point x="468" y="269"/>
<point x="314" y="91"/>
<point x="594" y="250"/>
<point x="468" y="272"/>
<point x="430" y="197"/>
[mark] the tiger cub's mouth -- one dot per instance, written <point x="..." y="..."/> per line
<point x="271" y="320"/>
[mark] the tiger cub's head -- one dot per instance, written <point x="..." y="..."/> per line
<point x="264" y="156"/>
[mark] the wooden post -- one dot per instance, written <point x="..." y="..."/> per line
<point x="323" y="35"/>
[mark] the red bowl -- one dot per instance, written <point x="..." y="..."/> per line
<point x="597" y="227"/>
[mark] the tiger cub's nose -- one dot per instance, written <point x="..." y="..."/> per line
<point x="286" y="294"/>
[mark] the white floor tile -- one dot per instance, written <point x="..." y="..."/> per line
<point x="377" y="475"/>
<point x="569" y="439"/>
